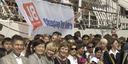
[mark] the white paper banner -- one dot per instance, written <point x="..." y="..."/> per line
<point x="45" y="18"/>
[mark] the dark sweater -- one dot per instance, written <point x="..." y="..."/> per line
<point x="62" y="62"/>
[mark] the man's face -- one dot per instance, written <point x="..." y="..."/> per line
<point x="113" y="32"/>
<point x="59" y="37"/>
<point x="7" y="45"/>
<point x="17" y="47"/>
<point x="54" y="38"/>
<point x="86" y="40"/>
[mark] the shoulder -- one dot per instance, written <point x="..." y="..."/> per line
<point x="32" y="56"/>
<point x="6" y="57"/>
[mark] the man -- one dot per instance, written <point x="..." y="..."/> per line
<point x="59" y="35"/>
<point x="85" y="38"/>
<point x="15" y="56"/>
<point x="113" y="31"/>
<point x="6" y="44"/>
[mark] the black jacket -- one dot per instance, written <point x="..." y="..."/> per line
<point x="107" y="59"/>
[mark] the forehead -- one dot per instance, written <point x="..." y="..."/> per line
<point x="18" y="42"/>
<point x="85" y="38"/>
<point x="65" y="47"/>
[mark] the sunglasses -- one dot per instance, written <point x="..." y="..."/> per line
<point x="73" y="48"/>
<point x="91" y="47"/>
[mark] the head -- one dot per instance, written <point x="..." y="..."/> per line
<point x="71" y="41"/>
<point x="73" y="49"/>
<point x="107" y="36"/>
<point x="38" y="36"/>
<point x="59" y="34"/>
<point x="50" y="50"/>
<point x="122" y="39"/>
<point x="112" y="43"/>
<point x="119" y="46"/>
<point x="97" y="36"/>
<point x="68" y="37"/>
<point x="64" y="49"/>
<point x="77" y="35"/>
<point x="1" y="38"/>
<point x="3" y="52"/>
<point x="81" y="46"/>
<point x="38" y="46"/>
<point x="95" y="41"/>
<point x="85" y="38"/>
<point x="90" y="47"/>
<point x="29" y="50"/>
<point x="46" y="38"/>
<point x="57" y="42"/>
<point x="54" y="37"/>
<point x="17" y="44"/>
<point x="115" y="36"/>
<point x="6" y="44"/>
<point x="113" y="31"/>
<point x="98" y="52"/>
<point x="103" y="43"/>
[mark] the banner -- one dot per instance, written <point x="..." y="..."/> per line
<point x="123" y="3"/>
<point x="44" y="17"/>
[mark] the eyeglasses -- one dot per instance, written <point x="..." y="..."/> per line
<point x="73" y="48"/>
<point x="91" y="47"/>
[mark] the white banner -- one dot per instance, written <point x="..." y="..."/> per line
<point x="123" y="3"/>
<point x="45" y="18"/>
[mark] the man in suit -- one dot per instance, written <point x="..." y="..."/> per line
<point x="15" y="56"/>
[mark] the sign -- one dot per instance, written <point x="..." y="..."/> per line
<point x="45" y="18"/>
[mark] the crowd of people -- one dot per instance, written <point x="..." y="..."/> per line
<point x="53" y="49"/>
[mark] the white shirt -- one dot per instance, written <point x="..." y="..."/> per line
<point x="87" y="53"/>
<point x="65" y="1"/>
<point x="18" y="59"/>
<point x="22" y="54"/>
<point x="72" y="60"/>
<point x="110" y="52"/>
<point x="94" y="59"/>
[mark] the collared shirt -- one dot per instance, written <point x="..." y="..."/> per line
<point x="72" y="60"/>
<point x="110" y="52"/>
<point x="22" y="54"/>
<point x="18" y="59"/>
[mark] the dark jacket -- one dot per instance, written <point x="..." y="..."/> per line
<point x="107" y="59"/>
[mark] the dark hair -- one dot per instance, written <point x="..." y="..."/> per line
<point x="28" y="51"/>
<point x="37" y="42"/>
<point x="90" y="43"/>
<point x="95" y="41"/>
<point x="58" y="33"/>
<point x="7" y="39"/>
<point x="97" y="36"/>
<point x="97" y="49"/>
<point x="80" y="43"/>
<point x="74" y="44"/>
<point x="107" y="36"/>
<point x="17" y="37"/>
<point x="77" y="34"/>
<point x="85" y="36"/>
<point x="115" y="35"/>
<point x="69" y="36"/>
<point x="38" y="36"/>
<point x="110" y="42"/>
<point x="2" y="52"/>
